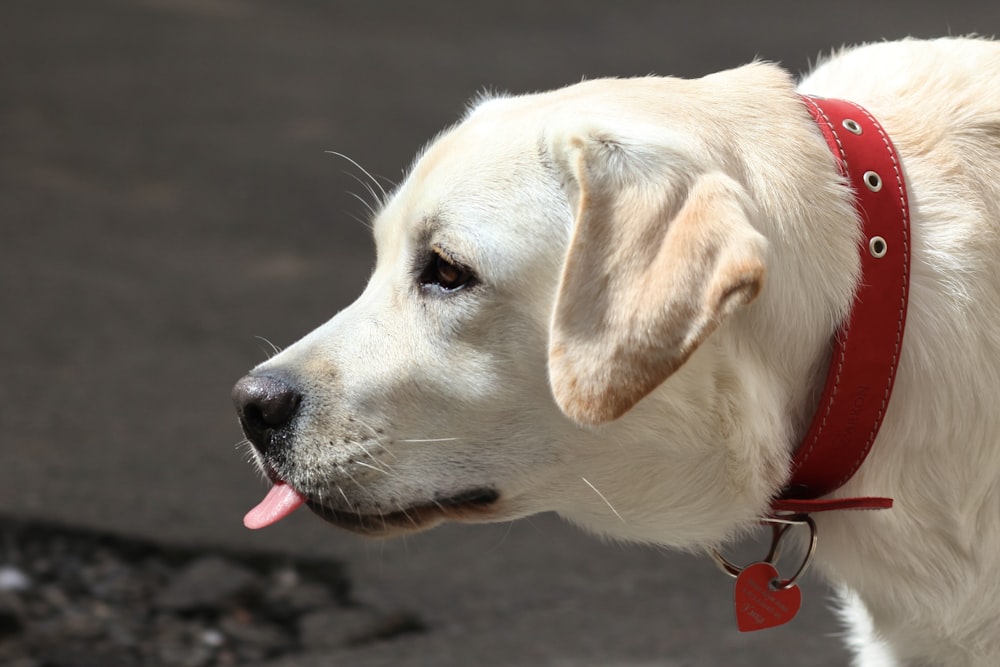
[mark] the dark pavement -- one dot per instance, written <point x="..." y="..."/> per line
<point x="165" y="198"/>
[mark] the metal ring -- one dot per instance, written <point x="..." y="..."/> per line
<point x="872" y="181"/>
<point x="810" y="552"/>
<point x="727" y="566"/>
<point x="877" y="247"/>
<point x="779" y="526"/>
<point x="734" y="570"/>
<point x="852" y="126"/>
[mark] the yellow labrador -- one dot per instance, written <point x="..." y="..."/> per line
<point x="616" y="301"/>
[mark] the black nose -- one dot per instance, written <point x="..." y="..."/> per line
<point x="265" y="404"/>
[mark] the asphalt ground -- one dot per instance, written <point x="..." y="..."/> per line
<point x="166" y="198"/>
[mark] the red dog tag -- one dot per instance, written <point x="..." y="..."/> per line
<point x="759" y="604"/>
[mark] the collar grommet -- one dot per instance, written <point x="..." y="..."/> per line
<point x="877" y="247"/>
<point x="872" y="181"/>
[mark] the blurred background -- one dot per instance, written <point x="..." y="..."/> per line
<point x="166" y="198"/>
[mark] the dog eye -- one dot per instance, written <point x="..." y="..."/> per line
<point x="442" y="273"/>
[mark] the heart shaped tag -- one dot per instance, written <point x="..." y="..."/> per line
<point x="759" y="605"/>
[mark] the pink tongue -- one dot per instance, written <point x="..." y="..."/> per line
<point x="279" y="502"/>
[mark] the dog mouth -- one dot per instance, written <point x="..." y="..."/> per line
<point x="282" y="500"/>
<point x="471" y="505"/>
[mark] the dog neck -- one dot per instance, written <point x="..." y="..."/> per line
<point x="866" y="349"/>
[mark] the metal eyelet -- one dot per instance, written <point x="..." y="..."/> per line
<point x="852" y="126"/>
<point x="872" y="181"/>
<point x="878" y="247"/>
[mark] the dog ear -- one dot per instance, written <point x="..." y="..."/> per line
<point x="654" y="265"/>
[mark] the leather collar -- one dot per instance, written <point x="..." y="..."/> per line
<point x="866" y="349"/>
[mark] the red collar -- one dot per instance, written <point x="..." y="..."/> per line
<point x="866" y="349"/>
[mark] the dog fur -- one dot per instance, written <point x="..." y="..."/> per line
<point x="655" y="270"/>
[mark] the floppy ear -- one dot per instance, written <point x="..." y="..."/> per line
<point x="653" y="268"/>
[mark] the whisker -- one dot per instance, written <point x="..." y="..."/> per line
<point x="533" y="525"/>
<point x="368" y="188"/>
<point x="429" y="439"/>
<point x="364" y="202"/>
<point x="371" y="467"/>
<point x="371" y="429"/>
<point x="362" y="487"/>
<point x="261" y="472"/>
<point x="388" y="468"/>
<point x="385" y="195"/>
<point x="350" y="507"/>
<point x="388" y="451"/>
<point x="347" y="502"/>
<point x="249" y="455"/>
<point x="361" y="221"/>
<point x="602" y="497"/>
<point x="506" y="534"/>
<point x="408" y="518"/>
<point x="275" y="350"/>
<point x="377" y="437"/>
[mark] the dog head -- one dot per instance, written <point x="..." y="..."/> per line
<point x="558" y="319"/>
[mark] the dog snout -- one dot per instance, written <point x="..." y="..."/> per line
<point x="265" y="405"/>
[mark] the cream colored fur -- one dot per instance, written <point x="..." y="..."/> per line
<point x="659" y="267"/>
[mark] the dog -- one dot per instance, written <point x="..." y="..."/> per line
<point x="616" y="301"/>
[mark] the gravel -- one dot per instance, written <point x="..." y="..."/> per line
<point x="77" y="598"/>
